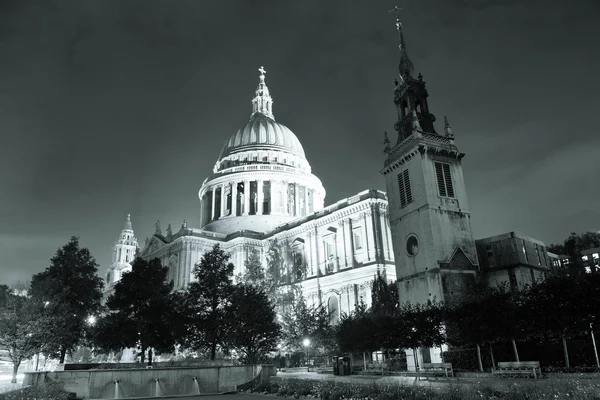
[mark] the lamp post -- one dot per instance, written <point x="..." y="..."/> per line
<point x="306" y="343"/>
<point x="278" y="356"/>
<point x="594" y="343"/>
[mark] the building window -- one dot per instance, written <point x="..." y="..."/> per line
<point x="532" y="276"/>
<point x="329" y="256"/>
<point x="444" y="179"/>
<point x="265" y="159"/>
<point x="334" y="310"/>
<point x="490" y="255"/>
<point x="357" y="240"/>
<point x="412" y="246"/>
<point x="404" y="187"/>
<point x="524" y="251"/>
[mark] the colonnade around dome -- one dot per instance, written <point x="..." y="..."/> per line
<point x="258" y="197"/>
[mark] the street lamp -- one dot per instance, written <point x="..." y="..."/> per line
<point x="306" y="343"/>
<point x="91" y="320"/>
<point x="278" y="356"/>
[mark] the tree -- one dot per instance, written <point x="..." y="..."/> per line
<point x="468" y="324"/>
<point x="276" y="267"/>
<point x="141" y="309"/>
<point x="558" y="309"/>
<point x="301" y="321"/>
<point x="71" y="291"/>
<point x="384" y="296"/>
<point x="359" y="330"/>
<point x="422" y="325"/>
<point x="254" y="330"/>
<point x="254" y="273"/>
<point x="18" y="327"/>
<point x="207" y="300"/>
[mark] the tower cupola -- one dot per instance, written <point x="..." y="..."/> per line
<point x="410" y="93"/>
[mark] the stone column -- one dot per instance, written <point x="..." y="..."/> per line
<point x="306" y="212"/>
<point x="385" y="229"/>
<point x="297" y="199"/>
<point x="317" y="259"/>
<point x="246" y="197"/>
<point x="377" y="234"/>
<point x="285" y="198"/>
<point x="212" y="207"/>
<point x="233" y="198"/>
<point x="367" y="234"/>
<point x="336" y="265"/>
<point x="342" y="226"/>
<point x="351" y="243"/>
<point x="309" y="258"/>
<point x="223" y="200"/>
<point x="259" y="196"/>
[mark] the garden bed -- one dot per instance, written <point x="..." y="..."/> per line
<point x="331" y="390"/>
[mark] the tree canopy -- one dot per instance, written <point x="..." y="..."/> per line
<point x="19" y="330"/>
<point x="71" y="291"/>
<point x="206" y="302"/>
<point x="141" y="310"/>
<point x="254" y="330"/>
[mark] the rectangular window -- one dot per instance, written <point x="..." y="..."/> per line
<point x="490" y="256"/>
<point x="444" y="179"/>
<point x="357" y="240"/>
<point x="404" y="187"/>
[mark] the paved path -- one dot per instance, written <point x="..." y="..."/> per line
<point x="237" y="396"/>
<point x="398" y="380"/>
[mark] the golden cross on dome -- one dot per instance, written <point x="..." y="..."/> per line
<point x="262" y="70"/>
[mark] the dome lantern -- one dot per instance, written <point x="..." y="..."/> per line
<point x="262" y="102"/>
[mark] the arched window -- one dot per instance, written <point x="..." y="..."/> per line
<point x="333" y="306"/>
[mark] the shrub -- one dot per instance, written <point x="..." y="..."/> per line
<point x="49" y="391"/>
<point x="331" y="390"/>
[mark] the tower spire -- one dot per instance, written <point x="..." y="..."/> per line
<point x="405" y="68"/>
<point x="262" y="102"/>
<point x="128" y="223"/>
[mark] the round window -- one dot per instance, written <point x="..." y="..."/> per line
<point x="412" y="245"/>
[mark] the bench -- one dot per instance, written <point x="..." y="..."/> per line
<point x="377" y="369"/>
<point x="518" y="368"/>
<point x="436" y="369"/>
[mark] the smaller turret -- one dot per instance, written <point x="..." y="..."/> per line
<point x="123" y="253"/>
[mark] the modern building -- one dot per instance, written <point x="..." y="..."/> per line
<point x="513" y="259"/>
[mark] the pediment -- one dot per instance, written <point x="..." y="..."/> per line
<point x="153" y="245"/>
<point x="459" y="260"/>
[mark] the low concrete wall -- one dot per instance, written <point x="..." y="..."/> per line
<point x="125" y="383"/>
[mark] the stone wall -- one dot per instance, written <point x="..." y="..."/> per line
<point x="127" y="383"/>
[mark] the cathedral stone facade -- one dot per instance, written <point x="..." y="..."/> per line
<point x="262" y="190"/>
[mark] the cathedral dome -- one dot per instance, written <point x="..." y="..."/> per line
<point x="263" y="131"/>
<point x="262" y="178"/>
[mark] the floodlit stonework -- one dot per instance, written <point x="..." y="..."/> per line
<point x="123" y="253"/>
<point x="262" y="189"/>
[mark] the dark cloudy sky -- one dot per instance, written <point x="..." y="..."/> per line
<point x="113" y="107"/>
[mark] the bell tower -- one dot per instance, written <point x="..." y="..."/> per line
<point x="428" y="210"/>
<point x="123" y="253"/>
